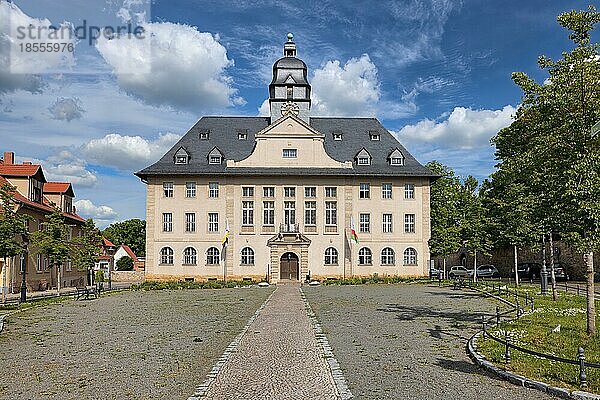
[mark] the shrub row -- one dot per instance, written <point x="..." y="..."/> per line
<point x="374" y="279"/>
<point x="175" y="285"/>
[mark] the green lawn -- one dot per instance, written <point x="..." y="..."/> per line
<point x="534" y="330"/>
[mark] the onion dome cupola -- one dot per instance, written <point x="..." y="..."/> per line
<point x="289" y="91"/>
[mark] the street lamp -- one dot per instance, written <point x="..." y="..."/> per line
<point x="111" y="251"/>
<point x="25" y="241"/>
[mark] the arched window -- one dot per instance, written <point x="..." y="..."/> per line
<point x="190" y="256"/>
<point x="410" y="256"/>
<point x="166" y="256"/>
<point x="365" y="257"/>
<point x="331" y="256"/>
<point x="247" y="256"/>
<point x="388" y="256"/>
<point x="212" y="256"/>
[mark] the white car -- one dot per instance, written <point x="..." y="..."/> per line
<point x="458" y="271"/>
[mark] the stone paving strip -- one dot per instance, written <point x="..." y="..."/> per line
<point x="278" y="357"/>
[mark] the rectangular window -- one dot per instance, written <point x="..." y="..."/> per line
<point x="269" y="213"/>
<point x="387" y="223"/>
<point x="289" y="192"/>
<point x="290" y="153"/>
<point x="39" y="265"/>
<point x="204" y="135"/>
<point x="168" y="189"/>
<point x="247" y="191"/>
<point x="268" y="191"/>
<point x="68" y="266"/>
<point x="181" y="159"/>
<point x="289" y="212"/>
<point x="167" y="222"/>
<point x="409" y="223"/>
<point x="213" y="190"/>
<point x="213" y="222"/>
<point x="364" y="161"/>
<point x="337" y="136"/>
<point x="331" y="213"/>
<point x="310" y="191"/>
<point x="331" y="192"/>
<point x="190" y="189"/>
<point x="310" y="213"/>
<point x="215" y="160"/>
<point x="190" y="222"/>
<point x="386" y="190"/>
<point x="365" y="191"/>
<point x="409" y="191"/>
<point x="397" y="161"/>
<point x="365" y="223"/>
<point x="374" y="135"/>
<point x="247" y="213"/>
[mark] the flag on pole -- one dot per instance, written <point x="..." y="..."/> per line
<point x="225" y="240"/>
<point x="353" y="235"/>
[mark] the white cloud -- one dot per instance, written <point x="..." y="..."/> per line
<point x="176" y="65"/>
<point x="128" y="152"/>
<point x="65" y="167"/>
<point x="463" y="128"/>
<point x="18" y="68"/>
<point x="87" y="209"/>
<point x="66" y="109"/>
<point x="264" y="110"/>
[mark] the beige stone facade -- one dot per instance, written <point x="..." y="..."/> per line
<point x="290" y="187"/>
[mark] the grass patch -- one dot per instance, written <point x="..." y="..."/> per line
<point x="180" y="285"/>
<point x="534" y="330"/>
<point x="34" y="303"/>
<point x="375" y="279"/>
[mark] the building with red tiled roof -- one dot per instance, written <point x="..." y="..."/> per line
<point x="37" y="197"/>
<point x="125" y="251"/>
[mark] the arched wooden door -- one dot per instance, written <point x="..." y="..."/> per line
<point x="289" y="267"/>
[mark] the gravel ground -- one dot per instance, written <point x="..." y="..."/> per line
<point x="129" y="345"/>
<point x="408" y="342"/>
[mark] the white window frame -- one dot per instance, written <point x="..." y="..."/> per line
<point x="215" y="159"/>
<point x="213" y="222"/>
<point x="387" y="223"/>
<point x="411" y="256"/>
<point x="331" y="256"/>
<point x="388" y="256"/>
<point x="166" y="256"/>
<point x="364" y="225"/>
<point x="363" y="161"/>
<point x="364" y="190"/>
<point x="181" y="160"/>
<point x="190" y="256"/>
<point x="268" y="191"/>
<point x="168" y="189"/>
<point x="247" y="256"/>
<point x="247" y="191"/>
<point x="331" y="192"/>
<point x="409" y="191"/>
<point x="190" y="189"/>
<point x="397" y="161"/>
<point x="269" y="213"/>
<point x="289" y="212"/>
<point x="290" y="153"/>
<point x="365" y="256"/>
<point x="213" y="190"/>
<point x="409" y="223"/>
<point x="289" y="192"/>
<point x="190" y="222"/>
<point x="247" y="213"/>
<point x="167" y="222"/>
<point x="386" y="190"/>
<point x="310" y="213"/>
<point x="213" y="256"/>
<point x="331" y="213"/>
<point x="310" y="192"/>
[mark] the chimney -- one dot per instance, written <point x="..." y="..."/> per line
<point x="9" y="158"/>
<point x="27" y="163"/>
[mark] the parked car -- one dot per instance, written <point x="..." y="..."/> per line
<point x="559" y="272"/>
<point x="486" y="271"/>
<point x="434" y="273"/>
<point x="458" y="271"/>
<point x="529" y="270"/>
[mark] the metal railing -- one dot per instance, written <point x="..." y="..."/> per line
<point x="289" y="228"/>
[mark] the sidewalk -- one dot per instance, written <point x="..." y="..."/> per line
<point x="279" y="357"/>
<point x="13" y="298"/>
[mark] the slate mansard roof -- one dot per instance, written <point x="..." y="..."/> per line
<point x="223" y="134"/>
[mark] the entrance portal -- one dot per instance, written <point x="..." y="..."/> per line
<point x="289" y="267"/>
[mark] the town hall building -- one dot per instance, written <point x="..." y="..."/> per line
<point x="288" y="196"/>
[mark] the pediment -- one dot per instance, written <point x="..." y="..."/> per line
<point x="290" y="126"/>
<point x="290" y="79"/>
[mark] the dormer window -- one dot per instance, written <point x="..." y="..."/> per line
<point x="374" y="135"/>
<point x="215" y="156"/>
<point x="242" y="134"/>
<point x="396" y="158"/>
<point x="204" y="135"/>
<point x="181" y="156"/>
<point x="337" y="135"/>
<point x="363" y="157"/>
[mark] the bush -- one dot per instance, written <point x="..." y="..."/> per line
<point x="99" y="276"/>
<point x="374" y="279"/>
<point x="180" y="285"/>
<point x="125" y="264"/>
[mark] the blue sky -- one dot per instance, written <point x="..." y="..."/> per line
<point x="435" y="72"/>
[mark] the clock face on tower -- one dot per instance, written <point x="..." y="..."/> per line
<point x="290" y="108"/>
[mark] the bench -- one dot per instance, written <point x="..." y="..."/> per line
<point x="86" y="292"/>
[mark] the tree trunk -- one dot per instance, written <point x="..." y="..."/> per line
<point x="4" y="280"/>
<point x="444" y="274"/>
<point x="552" y="274"/>
<point x="516" y="263"/>
<point x="591" y="306"/>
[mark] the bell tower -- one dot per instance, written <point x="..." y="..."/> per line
<point x="289" y="91"/>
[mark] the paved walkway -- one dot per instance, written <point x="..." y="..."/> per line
<point x="278" y="357"/>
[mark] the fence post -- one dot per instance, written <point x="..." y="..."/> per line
<point x="497" y="315"/>
<point x="566" y="287"/>
<point x="518" y="307"/>
<point x="532" y="306"/>
<point x="578" y="289"/>
<point x="507" y="348"/>
<point x="582" y="375"/>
